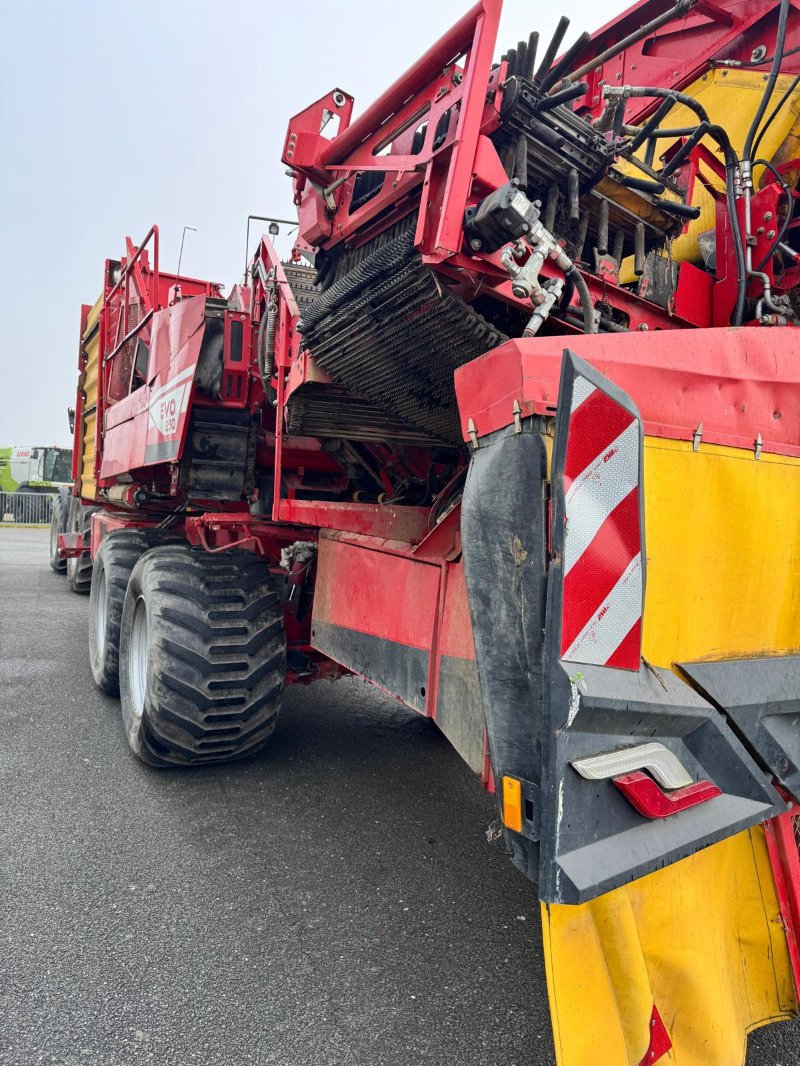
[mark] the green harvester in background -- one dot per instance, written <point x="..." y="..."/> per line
<point x="36" y="470"/>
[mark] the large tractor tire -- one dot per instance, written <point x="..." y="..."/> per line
<point x="79" y="569"/>
<point x="59" y="513"/>
<point x="119" y="551"/>
<point x="202" y="656"/>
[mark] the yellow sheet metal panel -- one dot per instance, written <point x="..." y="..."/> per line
<point x="91" y="348"/>
<point x="92" y="317"/>
<point x="91" y="373"/>
<point x="702" y="940"/>
<point x="723" y="553"/>
<point x="88" y="487"/>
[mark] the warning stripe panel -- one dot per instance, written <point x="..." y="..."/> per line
<point x="611" y="621"/>
<point x="598" y="490"/>
<point x="602" y="555"/>
<point x="594" y="426"/>
<point x="592" y="579"/>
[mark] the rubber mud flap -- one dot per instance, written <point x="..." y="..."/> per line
<point x="503" y="522"/>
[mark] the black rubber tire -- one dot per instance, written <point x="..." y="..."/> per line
<point x="119" y="551"/>
<point x="79" y="570"/>
<point x="215" y="661"/>
<point x="57" y="525"/>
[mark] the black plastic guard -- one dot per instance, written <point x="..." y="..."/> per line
<point x="761" y="698"/>
<point x="504" y="536"/>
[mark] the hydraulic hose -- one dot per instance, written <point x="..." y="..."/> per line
<point x="795" y="82"/>
<point x="574" y="277"/>
<point x="777" y="59"/>
<point x="731" y="165"/>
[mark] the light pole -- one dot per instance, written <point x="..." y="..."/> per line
<point x="183" y="238"/>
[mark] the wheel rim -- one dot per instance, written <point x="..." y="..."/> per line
<point x="137" y="657"/>
<point x="100" y="631"/>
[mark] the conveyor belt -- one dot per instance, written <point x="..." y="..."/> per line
<point x="391" y="331"/>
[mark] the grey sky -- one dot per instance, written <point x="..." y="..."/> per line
<point x="115" y="116"/>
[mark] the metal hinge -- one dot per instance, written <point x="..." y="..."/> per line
<point x="697" y="436"/>
<point x="473" y="433"/>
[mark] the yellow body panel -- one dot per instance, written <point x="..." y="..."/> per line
<point x="91" y="347"/>
<point x="723" y="553"/>
<point x="702" y="939"/>
<point x="730" y="97"/>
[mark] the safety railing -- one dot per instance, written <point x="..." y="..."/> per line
<point x="25" y="508"/>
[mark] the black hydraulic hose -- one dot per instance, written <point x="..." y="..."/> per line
<point x="785" y="224"/>
<point x="552" y="49"/>
<point x="660" y="93"/>
<point x="530" y="56"/>
<point x="674" y="207"/>
<point x="566" y="295"/>
<point x="780" y="39"/>
<point x="731" y="163"/>
<point x="565" y="96"/>
<point x="573" y="275"/>
<point x="677" y="131"/>
<point x="758" y="62"/>
<point x="522" y="58"/>
<point x="684" y="150"/>
<point x="771" y="119"/>
<point x="562" y="66"/>
<point x="642" y="184"/>
<point x="651" y="124"/>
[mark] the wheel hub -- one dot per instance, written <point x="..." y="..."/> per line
<point x="137" y="657"/>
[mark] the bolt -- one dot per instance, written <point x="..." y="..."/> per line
<point x="475" y="244"/>
<point x="770" y="234"/>
<point x="643" y="327"/>
<point x="767" y="216"/>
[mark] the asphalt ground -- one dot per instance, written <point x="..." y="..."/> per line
<point x="333" y="901"/>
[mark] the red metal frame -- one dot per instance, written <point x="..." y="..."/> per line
<point x="441" y="179"/>
<point x="783" y="843"/>
<point x="678" y="54"/>
<point x="739" y="384"/>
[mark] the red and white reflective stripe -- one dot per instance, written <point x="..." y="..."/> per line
<point x="602" y="605"/>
